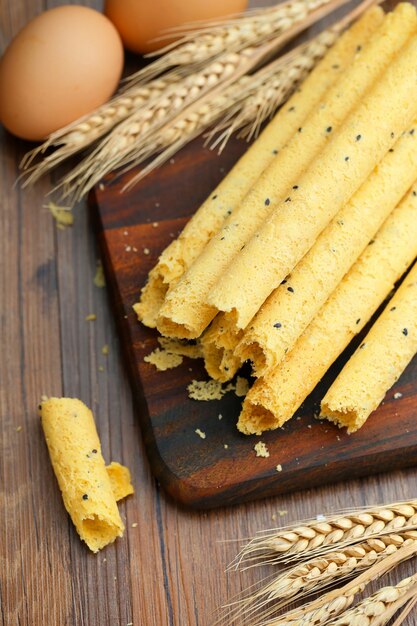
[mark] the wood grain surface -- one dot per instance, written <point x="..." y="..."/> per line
<point x="169" y="567"/>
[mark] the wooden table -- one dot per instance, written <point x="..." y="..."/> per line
<point x="169" y="567"/>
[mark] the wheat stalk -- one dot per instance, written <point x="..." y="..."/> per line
<point x="378" y="609"/>
<point x="318" y="573"/>
<point x="333" y="603"/>
<point x="317" y="537"/>
<point x="85" y="131"/>
<point x="249" y="29"/>
<point x="270" y="87"/>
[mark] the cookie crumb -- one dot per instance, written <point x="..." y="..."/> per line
<point x="220" y="416"/>
<point x="205" y="390"/>
<point x="225" y="446"/>
<point x="105" y="349"/>
<point x="200" y="433"/>
<point x="146" y="251"/>
<point x="99" y="279"/>
<point x="91" y="317"/>
<point x="134" y="524"/>
<point x="282" y="513"/>
<point x="163" y="360"/>
<point x="155" y="224"/>
<point x="100" y="368"/>
<point x="261" y="450"/>
<point x="279" y="468"/>
<point x="18" y="429"/>
<point x="398" y="395"/>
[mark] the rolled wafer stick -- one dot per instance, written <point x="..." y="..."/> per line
<point x="75" y="452"/>
<point x="378" y="363"/>
<point x="274" y="399"/>
<point x="179" y="255"/>
<point x="219" y="343"/>
<point x="191" y="305"/>
<point x="295" y="303"/>
<point x="320" y="193"/>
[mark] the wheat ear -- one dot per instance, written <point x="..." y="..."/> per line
<point x="335" y="602"/>
<point x="314" y="537"/>
<point x="317" y="574"/>
<point x="378" y="609"/>
<point x="252" y="29"/>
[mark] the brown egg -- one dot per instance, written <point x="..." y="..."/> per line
<point x="60" y="66"/>
<point x="140" y="21"/>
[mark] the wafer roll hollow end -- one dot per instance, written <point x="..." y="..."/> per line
<point x="258" y="414"/>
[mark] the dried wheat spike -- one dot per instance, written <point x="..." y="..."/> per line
<point x="313" y="537"/>
<point x="317" y="574"/>
<point x="215" y="38"/>
<point x="378" y="609"/>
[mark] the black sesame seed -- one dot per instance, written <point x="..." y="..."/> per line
<point x="412" y="131"/>
<point x="214" y="197"/>
<point x="284" y="281"/>
<point x="392" y="135"/>
<point x="222" y="238"/>
<point x="295" y="186"/>
<point x="358" y="320"/>
<point x="371" y="242"/>
<point x="393" y="308"/>
<point x="277" y="325"/>
<point x="346" y="158"/>
<point x="274" y="151"/>
<point x="414" y="193"/>
<point x="229" y="211"/>
<point x="358" y="48"/>
<point x="405" y="331"/>
<point x="329" y="129"/>
<point x="290" y="289"/>
<point x="243" y="246"/>
<point x="288" y="199"/>
<point x="391" y="150"/>
<point x="85" y="497"/>
<point x="291" y="109"/>
<point x="300" y="129"/>
<point x="335" y="66"/>
<point x="358" y="137"/>
<point x="226" y="368"/>
<point x="362" y="346"/>
<point x="267" y="202"/>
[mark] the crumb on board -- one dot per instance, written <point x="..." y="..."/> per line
<point x="99" y="279"/>
<point x="146" y="251"/>
<point x="62" y="215"/>
<point x="128" y="248"/>
<point x="155" y="224"/>
<point x="181" y="347"/>
<point x="225" y="446"/>
<point x="163" y="360"/>
<point x="220" y="416"/>
<point x="125" y="232"/>
<point x="282" y="513"/>
<point x="91" y="317"/>
<point x="279" y="467"/>
<point x="200" y="433"/>
<point x="398" y="395"/>
<point x="274" y="517"/>
<point x="242" y="387"/>
<point x="134" y="524"/>
<point x="105" y="349"/>
<point x="18" y="429"/>
<point x="261" y="450"/>
<point x="100" y="368"/>
<point x="205" y="390"/>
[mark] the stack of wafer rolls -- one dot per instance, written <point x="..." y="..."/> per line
<point x="285" y="267"/>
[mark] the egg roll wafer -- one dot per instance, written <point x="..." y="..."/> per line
<point x="191" y="305"/>
<point x="296" y="301"/>
<point x="179" y="255"/>
<point x="75" y="453"/>
<point x="378" y="362"/>
<point x="274" y="399"/>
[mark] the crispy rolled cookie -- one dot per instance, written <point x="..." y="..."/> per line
<point x="378" y="362"/>
<point x="274" y="399"/>
<point x="295" y="303"/>
<point x="75" y="452"/>
<point x="320" y="193"/>
<point x="194" y="301"/>
<point x="179" y="255"/>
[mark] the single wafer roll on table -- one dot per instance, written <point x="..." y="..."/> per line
<point x="295" y="303"/>
<point x="274" y="399"/>
<point x="179" y="255"/>
<point x="191" y="305"/>
<point x="75" y="452"/>
<point x="378" y="362"/>
<point x="320" y="193"/>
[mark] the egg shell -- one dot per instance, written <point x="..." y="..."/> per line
<point x="139" y="22"/>
<point x="60" y="66"/>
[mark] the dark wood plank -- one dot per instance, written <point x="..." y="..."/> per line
<point x="169" y="568"/>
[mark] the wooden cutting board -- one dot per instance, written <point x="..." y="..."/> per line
<point x="133" y="228"/>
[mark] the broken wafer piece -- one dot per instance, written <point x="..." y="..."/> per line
<point x="75" y="453"/>
<point x="378" y="362"/>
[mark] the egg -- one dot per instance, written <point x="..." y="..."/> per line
<point x="141" y="21"/>
<point x="63" y="64"/>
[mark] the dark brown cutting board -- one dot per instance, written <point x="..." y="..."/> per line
<point x="202" y="472"/>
